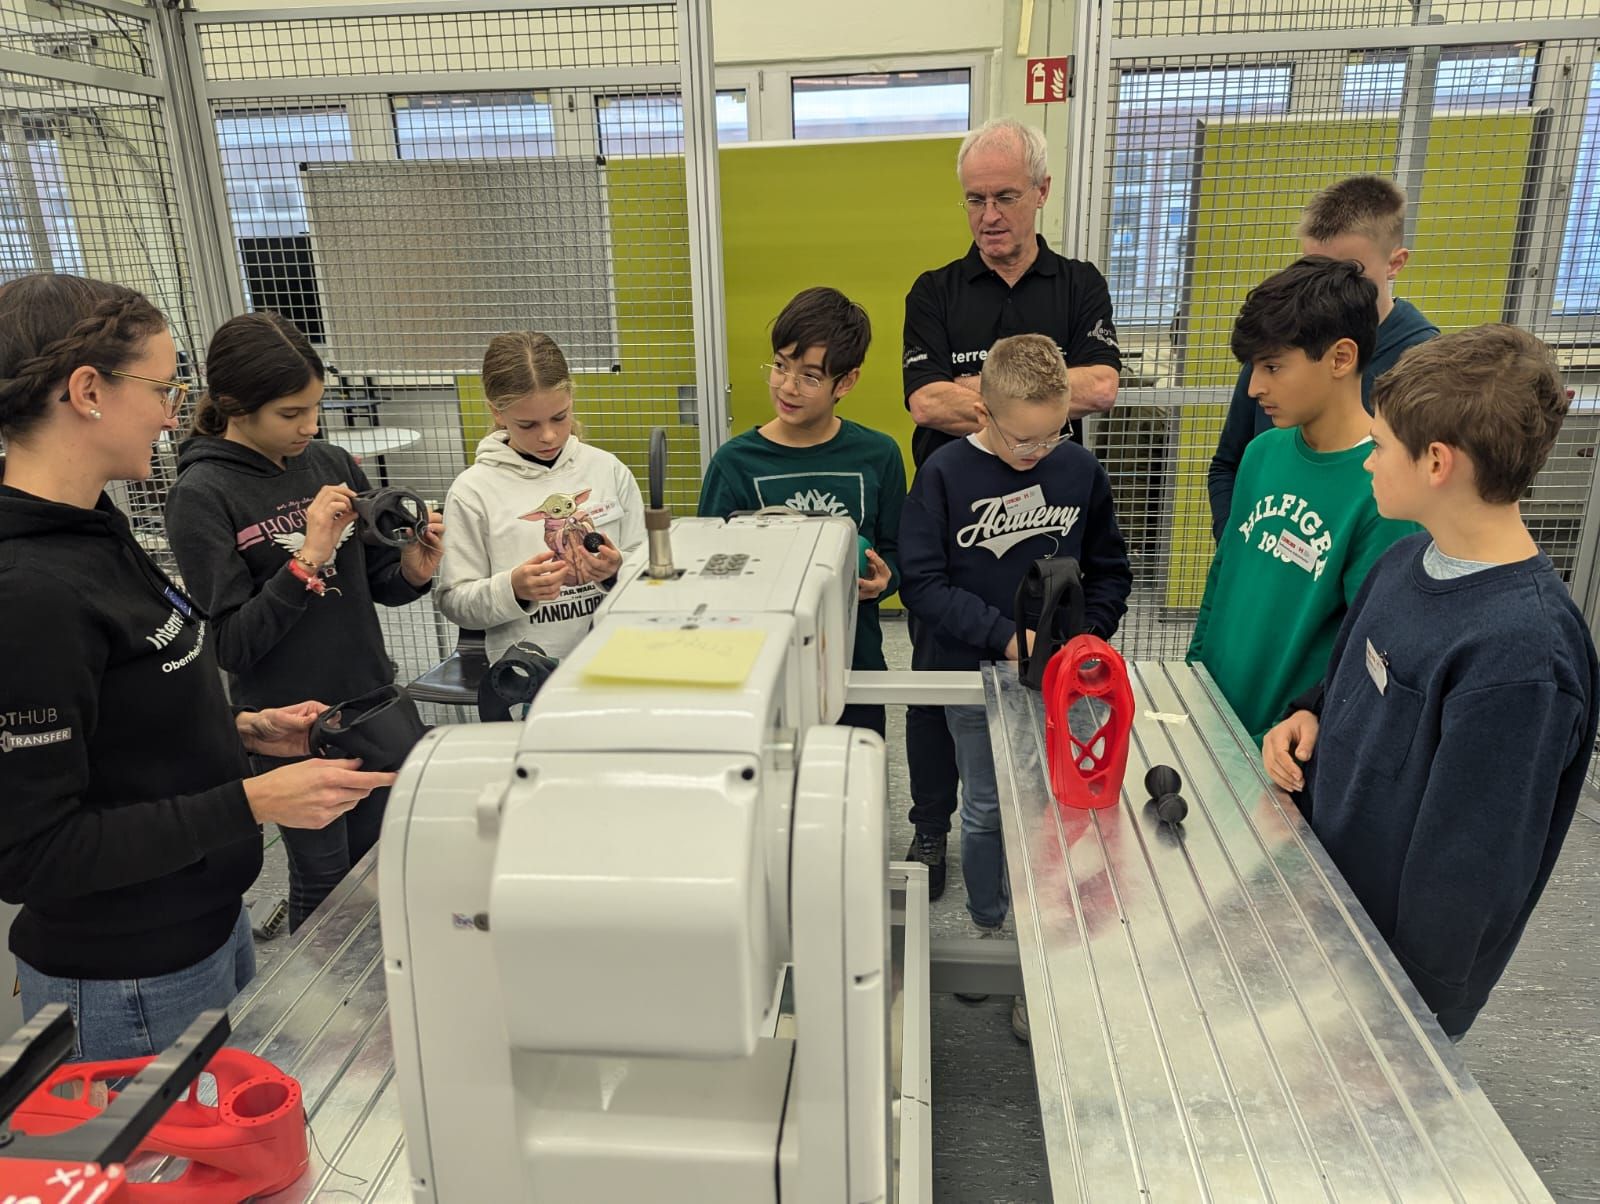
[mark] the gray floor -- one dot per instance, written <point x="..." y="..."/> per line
<point x="1535" y="1050"/>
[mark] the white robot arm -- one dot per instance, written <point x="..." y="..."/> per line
<point x="589" y="919"/>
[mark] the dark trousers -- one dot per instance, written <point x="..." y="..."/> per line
<point x="931" y="759"/>
<point x="872" y="718"/>
<point x="319" y="858"/>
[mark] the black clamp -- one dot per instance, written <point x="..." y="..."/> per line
<point x="379" y="729"/>
<point x="512" y="680"/>
<point x="390" y="517"/>
<point x="1049" y="585"/>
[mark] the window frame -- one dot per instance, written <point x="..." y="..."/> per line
<point x="770" y="98"/>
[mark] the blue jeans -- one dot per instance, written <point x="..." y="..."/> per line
<point x="137" y="1017"/>
<point x="983" y="857"/>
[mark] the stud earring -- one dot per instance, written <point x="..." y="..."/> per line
<point x="95" y="414"/>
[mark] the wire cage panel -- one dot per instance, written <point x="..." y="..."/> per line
<point x="403" y="221"/>
<point x="1206" y="163"/>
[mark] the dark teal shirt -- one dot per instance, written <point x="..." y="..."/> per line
<point x="858" y="474"/>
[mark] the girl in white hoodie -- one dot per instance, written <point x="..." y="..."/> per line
<point x="536" y="529"/>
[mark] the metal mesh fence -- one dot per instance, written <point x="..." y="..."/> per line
<point x="402" y="227"/>
<point x="1189" y="18"/>
<point x="87" y="185"/>
<point x="1207" y="162"/>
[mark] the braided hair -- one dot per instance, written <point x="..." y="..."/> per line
<point x="53" y="324"/>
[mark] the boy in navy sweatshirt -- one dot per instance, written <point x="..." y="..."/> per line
<point x="981" y="511"/>
<point x="1452" y="734"/>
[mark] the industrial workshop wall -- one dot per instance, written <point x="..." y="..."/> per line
<point x="1203" y="131"/>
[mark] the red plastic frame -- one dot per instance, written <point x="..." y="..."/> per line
<point x="251" y="1143"/>
<point x="1087" y="774"/>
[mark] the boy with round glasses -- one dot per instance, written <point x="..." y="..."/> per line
<point x="980" y="512"/>
<point x="809" y="459"/>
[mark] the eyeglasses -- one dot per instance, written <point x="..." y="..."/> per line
<point x="805" y="380"/>
<point x="1028" y="447"/>
<point x="176" y="390"/>
<point x="1000" y="200"/>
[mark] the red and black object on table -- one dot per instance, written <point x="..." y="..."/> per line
<point x="60" y="1150"/>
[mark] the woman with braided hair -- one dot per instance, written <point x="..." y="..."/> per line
<point x="129" y="828"/>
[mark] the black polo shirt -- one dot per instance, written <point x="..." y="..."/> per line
<point x="954" y="314"/>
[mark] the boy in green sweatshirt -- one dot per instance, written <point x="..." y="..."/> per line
<point x="1303" y="530"/>
<point x="808" y="458"/>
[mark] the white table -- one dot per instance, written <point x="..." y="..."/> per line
<point x="374" y="442"/>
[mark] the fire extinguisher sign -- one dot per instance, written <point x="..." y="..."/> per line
<point x="1049" y="80"/>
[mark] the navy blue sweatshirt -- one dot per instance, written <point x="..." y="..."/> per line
<point x="1444" y="796"/>
<point x="1406" y="326"/>
<point x="973" y="525"/>
<point x="125" y="832"/>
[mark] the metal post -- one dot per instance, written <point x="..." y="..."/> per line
<point x="1083" y="198"/>
<point x="197" y="174"/>
<point x="699" y="98"/>
<point x="1416" y="117"/>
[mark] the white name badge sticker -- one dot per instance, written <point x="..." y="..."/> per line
<point x="1377" y="669"/>
<point x="602" y="511"/>
<point x="1023" y="500"/>
<point x="1297" y="550"/>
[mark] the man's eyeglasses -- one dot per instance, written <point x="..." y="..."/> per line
<point x="1028" y="447"/>
<point x="1002" y="201"/>
<point x="175" y="390"/>
<point x="806" y="380"/>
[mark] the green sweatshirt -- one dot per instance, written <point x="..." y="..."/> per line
<point x="1301" y="535"/>
<point x="858" y="474"/>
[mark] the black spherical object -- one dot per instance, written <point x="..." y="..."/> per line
<point x="593" y="542"/>
<point x="1172" y="808"/>
<point x="1162" y="779"/>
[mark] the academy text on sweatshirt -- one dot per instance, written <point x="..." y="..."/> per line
<point x="973" y="526"/>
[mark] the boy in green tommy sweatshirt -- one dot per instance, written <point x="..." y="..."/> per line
<point x="808" y="458"/>
<point x="1303" y="529"/>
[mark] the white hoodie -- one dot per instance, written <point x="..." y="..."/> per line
<point x="505" y="510"/>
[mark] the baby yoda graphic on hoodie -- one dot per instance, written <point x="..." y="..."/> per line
<point x="507" y="509"/>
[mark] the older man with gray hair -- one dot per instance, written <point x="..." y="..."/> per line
<point x="1009" y="282"/>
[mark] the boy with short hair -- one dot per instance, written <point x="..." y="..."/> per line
<point x="808" y="458"/>
<point x="981" y="511"/>
<point x="1458" y="717"/>
<point x="1363" y="219"/>
<point x="1304" y="529"/>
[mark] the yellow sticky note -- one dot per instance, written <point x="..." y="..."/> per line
<point x="675" y="657"/>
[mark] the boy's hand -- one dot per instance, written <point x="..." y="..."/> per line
<point x="868" y="588"/>
<point x="1011" y="648"/>
<point x="1287" y="747"/>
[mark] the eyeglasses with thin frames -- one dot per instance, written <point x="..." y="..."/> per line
<point x="806" y="382"/>
<point x="1003" y="201"/>
<point x="1028" y="447"/>
<point x="176" y="390"/>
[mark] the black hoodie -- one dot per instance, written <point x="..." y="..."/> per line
<point x="124" y="829"/>
<point x="234" y="518"/>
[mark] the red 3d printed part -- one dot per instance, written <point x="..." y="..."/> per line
<point x="1086" y="768"/>
<point x="251" y="1143"/>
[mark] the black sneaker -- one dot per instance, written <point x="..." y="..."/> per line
<point x="270" y="927"/>
<point x="928" y="848"/>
